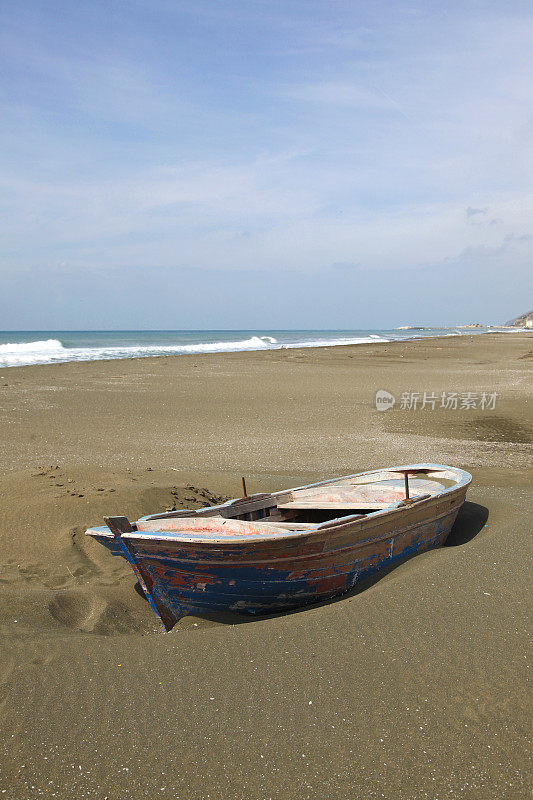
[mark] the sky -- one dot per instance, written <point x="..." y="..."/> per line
<point x="264" y="163"/>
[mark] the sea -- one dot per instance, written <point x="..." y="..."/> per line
<point x="20" y="348"/>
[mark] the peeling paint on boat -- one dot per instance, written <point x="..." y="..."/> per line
<point x="211" y="560"/>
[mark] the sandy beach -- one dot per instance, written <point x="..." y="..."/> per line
<point x="412" y="687"/>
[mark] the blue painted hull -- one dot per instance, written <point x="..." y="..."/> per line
<point x="187" y="583"/>
<point x="225" y="559"/>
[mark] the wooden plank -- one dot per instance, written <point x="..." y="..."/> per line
<point x="245" y="505"/>
<point x="340" y="521"/>
<point x="290" y="526"/>
<point x="325" y="505"/>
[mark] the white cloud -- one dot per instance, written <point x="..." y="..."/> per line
<point x="338" y="94"/>
<point x="369" y="150"/>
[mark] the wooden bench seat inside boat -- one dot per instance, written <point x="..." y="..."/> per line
<point x="373" y="496"/>
<point x="306" y="506"/>
<point x="219" y="526"/>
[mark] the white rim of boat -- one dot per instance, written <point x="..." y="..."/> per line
<point x="461" y="477"/>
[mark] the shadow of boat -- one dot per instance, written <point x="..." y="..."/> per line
<point x="470" y="521"/>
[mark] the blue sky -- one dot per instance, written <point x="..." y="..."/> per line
<point x="265" y="164"/>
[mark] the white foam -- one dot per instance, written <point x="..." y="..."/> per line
<point x="254" y="343"/>
<point x="51" y="351"/>
<point x="40" y="352"/>
<point x="336" y="342"/>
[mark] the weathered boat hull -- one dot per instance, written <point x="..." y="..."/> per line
<point x="278" y="573"/>
<point x="279" y="581"/>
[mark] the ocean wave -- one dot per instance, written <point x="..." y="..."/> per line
<point x="52" y="351"/>
<point x="41" y="351"/>
<point x="253" y="343"/>
<point x="337" y="342"/>
<point x="41" y="346"/>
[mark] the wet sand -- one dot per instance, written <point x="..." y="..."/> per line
<point x="414" y="686"/>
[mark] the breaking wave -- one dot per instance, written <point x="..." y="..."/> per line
<point x="40" y="352"/>
<point x="100" y="346"/>
<point x="336" y="342"/>
<point x="52" y="351"/>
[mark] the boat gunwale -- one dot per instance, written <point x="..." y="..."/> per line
<point x="334" y="526"/>
<point x="466" y="478"/>
<point x="308" y="556"/>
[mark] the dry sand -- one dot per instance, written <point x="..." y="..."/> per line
<point x="413" y="687"/>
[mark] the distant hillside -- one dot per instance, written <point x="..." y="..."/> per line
<point x="524" y="321"/>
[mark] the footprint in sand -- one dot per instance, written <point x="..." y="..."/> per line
<point x="93" y="614"/>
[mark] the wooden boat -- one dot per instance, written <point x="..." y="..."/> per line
<point x="270" y="552"/>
